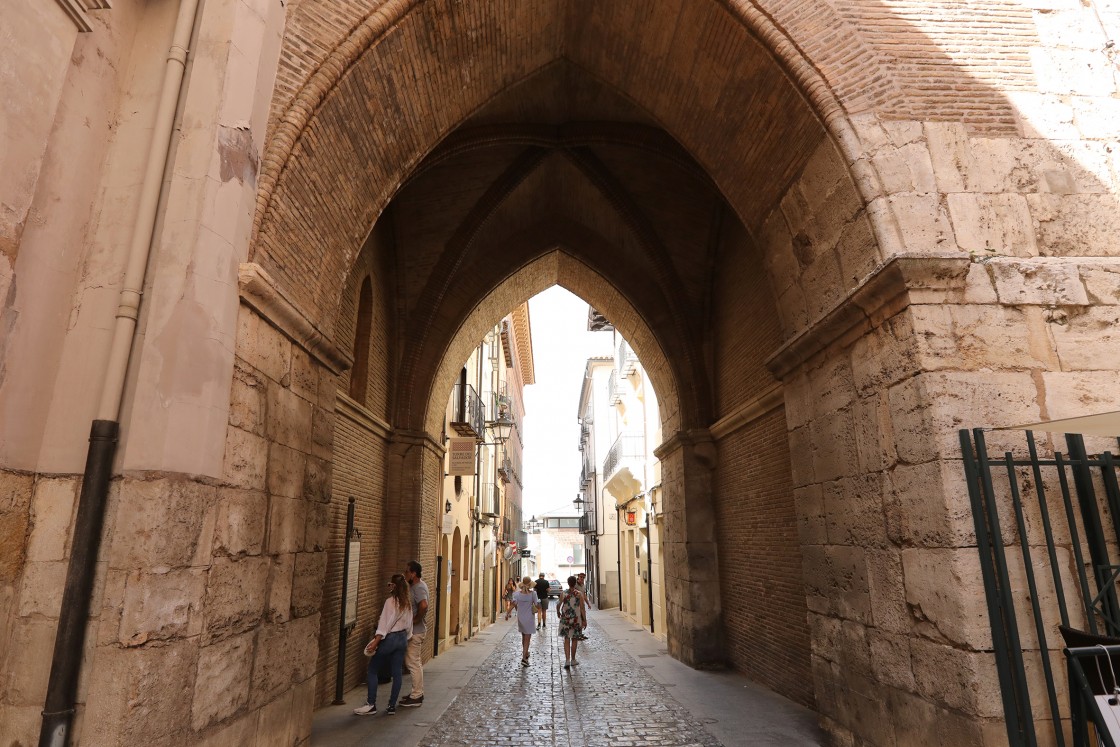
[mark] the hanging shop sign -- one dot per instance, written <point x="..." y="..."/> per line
<point x="461" y="456"/>
<point x="526" y="552"/>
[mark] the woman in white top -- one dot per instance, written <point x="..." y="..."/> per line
<point x="394" y="628"/>
<point x="525" y="599"/>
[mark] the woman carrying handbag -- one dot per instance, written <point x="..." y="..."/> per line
<point x="389" y="643"/>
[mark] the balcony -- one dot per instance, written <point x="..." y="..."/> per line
<point x="509" y="469"/>
<point x="501" y="408"/>
<point x="490" y="502"/>
<point x="625" y="360"/>
<point x="587" y="523"/>
<point x="625" y="448"/>
<point x="469" y="417"/>
<point x="614" y="391"/>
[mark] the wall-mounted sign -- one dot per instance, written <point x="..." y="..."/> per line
<point x="352" y="582"/>
<point x="461" y="456"/>
<point x="448" y="523"/>
<point x="631" y="518"/>
<point x="526" y="553"/>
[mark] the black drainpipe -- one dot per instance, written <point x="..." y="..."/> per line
<point x="618" y="548"/>
<point x="62" y="687"/>
<point x="649" y="571"/>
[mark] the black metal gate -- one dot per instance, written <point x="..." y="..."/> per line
<point x="1047" y="530"/>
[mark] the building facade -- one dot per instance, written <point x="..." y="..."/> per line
<point x="834" y="232"/>
<point x="481" y="522"/>
<point x="620" y="430"/>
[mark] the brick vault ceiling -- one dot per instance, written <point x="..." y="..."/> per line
<point x="560" y="147"/>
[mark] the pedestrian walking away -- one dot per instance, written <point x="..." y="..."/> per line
<point x="419" y="593"/>
<point x="541" y="587"/>
<point x="571" y="608"/>
<point x="389" y="642"/>
<point x="581" y="587"/>
<point x="527" y="604"/>
<point x="507" y="595"/>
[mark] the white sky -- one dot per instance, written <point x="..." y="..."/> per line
<point x="561" y="347"/>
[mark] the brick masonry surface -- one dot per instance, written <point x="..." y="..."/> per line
<point x="605" y="700"/>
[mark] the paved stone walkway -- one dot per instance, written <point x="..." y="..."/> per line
<point x="625" y="692"/>
<point x="607" y="699"/>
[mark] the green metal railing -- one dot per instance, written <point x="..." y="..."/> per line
<point x="1084" y="532"/>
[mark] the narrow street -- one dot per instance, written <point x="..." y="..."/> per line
<point x="626" y="692"/>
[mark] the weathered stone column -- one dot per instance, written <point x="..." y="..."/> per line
<point x="690" y="552"/>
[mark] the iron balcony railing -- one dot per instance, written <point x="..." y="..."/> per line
<point x="625" y="360"/>
<point x="501" y="407"/>
<point x="626" y="446"/>
<point x="509" y="469"/>
<point x="614" y="391"/>
<point x="469" y="417"/>
<point x="587" y="523"/>
<point x="588" y="471"/>
<point x="490" y="502"/>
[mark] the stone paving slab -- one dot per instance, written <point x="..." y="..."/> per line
<point x="626" y="692"/>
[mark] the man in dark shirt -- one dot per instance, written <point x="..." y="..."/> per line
<point x="541" y="587"/>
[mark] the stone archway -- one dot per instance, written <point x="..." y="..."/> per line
<point x="930" y="213"/>
<point x="797" y="266"/>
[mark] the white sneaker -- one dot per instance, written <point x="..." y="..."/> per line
<point x="366" y="710"/>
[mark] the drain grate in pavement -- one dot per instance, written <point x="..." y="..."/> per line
<point x="637" y="630"/>
<point x="648" y="656"/>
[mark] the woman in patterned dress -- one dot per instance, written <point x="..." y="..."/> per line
<point x="571" y="608"/>
<point x="525" y="600"/>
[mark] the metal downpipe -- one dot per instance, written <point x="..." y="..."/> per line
<point x="66" y="663"/>
<point x="62" y="688"/>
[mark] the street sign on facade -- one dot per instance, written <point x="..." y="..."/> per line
<point x="461" y="456"/>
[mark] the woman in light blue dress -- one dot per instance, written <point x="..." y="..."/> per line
<point x="525" y="600"/>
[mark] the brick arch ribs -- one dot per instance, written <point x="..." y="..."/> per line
<point x="386" y="76"/>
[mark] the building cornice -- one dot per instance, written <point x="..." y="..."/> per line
<point x="523" y="334"/>
<point x="258" y="290"/>
<point x="747" y="413"/>
<point x="77" y="9"/>
<point x="418" y="438"/>
<point x="355" y="411"/>
<point x="890" y="288"/>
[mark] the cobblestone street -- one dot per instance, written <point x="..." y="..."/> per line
<point x="625" y="692"/>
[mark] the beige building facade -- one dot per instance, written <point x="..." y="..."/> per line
<point x="834" y="232"/>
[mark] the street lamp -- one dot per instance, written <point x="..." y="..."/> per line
<point x="579" y="501"/>
<point x="501" y="428"/>
<point x="447" y="507"/>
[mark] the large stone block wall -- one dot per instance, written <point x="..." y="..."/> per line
<point x="209" y="598"/>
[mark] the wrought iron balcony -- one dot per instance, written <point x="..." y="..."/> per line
<point x="625" y="360"/>
<point x="626" y="446"/>
<point x="490" y="502"/>
<point x="587" y="523"/>
<point x="469" y="417"/>
<point x="501" y="407"/>
<point x="614" y="391"/>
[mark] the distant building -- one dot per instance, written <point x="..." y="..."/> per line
<point x="480" y="526"/>
<point x="620" y="483"/>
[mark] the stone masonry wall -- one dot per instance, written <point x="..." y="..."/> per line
<point x="212" y="589"/>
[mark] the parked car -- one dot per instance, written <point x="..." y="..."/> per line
<point x="554" y="588"/>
